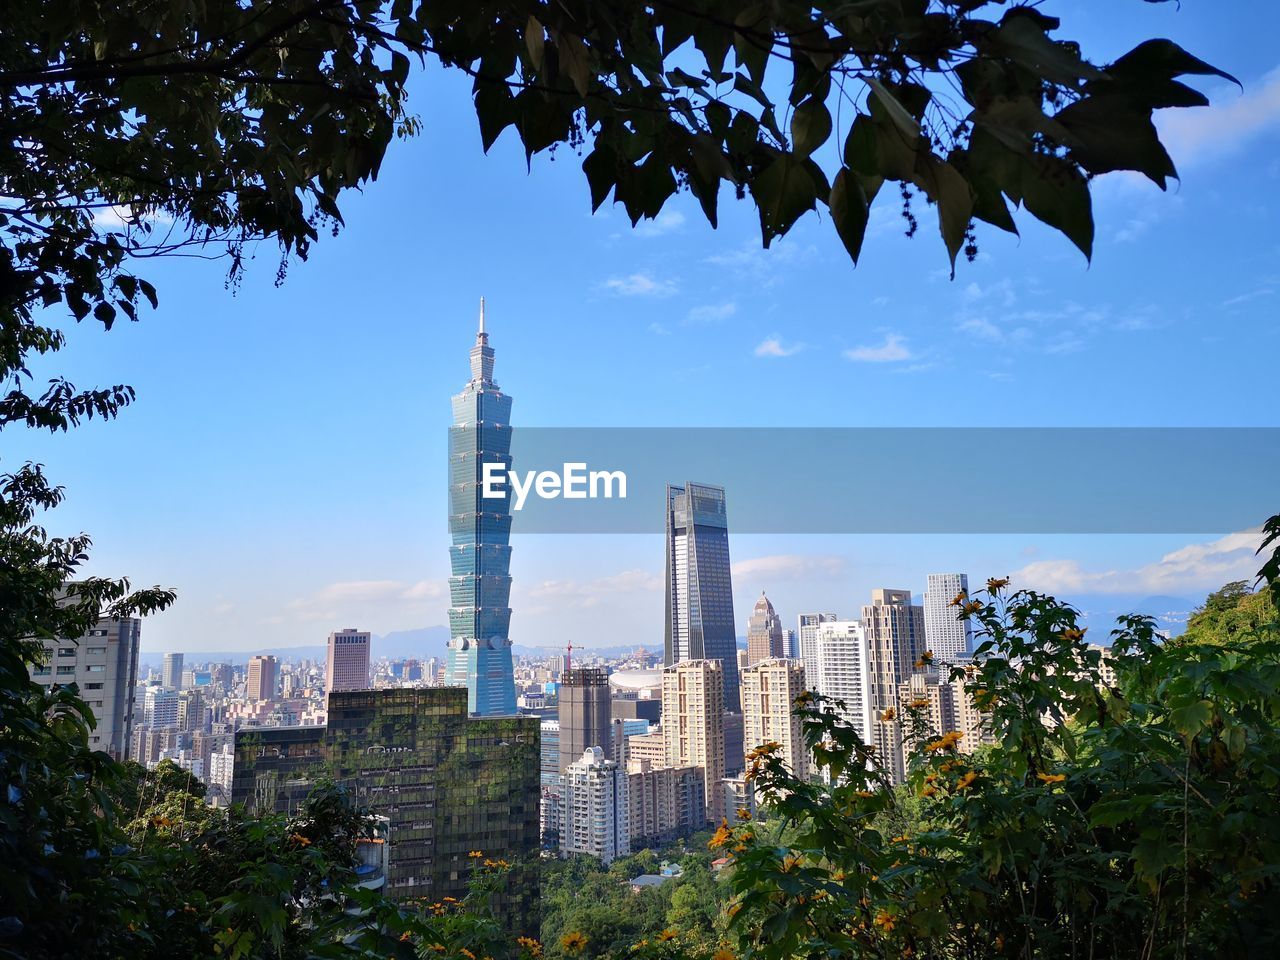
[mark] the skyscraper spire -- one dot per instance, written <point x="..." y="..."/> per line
<point x="482" y="356"/>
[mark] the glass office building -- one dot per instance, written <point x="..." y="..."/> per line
<point x="480" y="554"/>
<point x="700" y="623"/>
<point x="447" y="783"/>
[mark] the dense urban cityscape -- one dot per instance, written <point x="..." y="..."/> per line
<point x="799" y="597"/>
<point x="565" y="754"/>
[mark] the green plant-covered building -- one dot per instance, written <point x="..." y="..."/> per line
<point x="448" y="784"/>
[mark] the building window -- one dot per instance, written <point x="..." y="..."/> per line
<point x="66" y="651"/>
<point x="63" y="671"/>
<point x="41" y="671"/>
<point x="96" y="650"/>
<point x="97" y="668"/>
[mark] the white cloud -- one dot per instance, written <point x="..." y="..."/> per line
<point x="1197" y="567"/>
<point x="891" y="351"/>
<point x="760" y="266"/>
<point x="774" y="347"/>
<point x="981" y="328"/>
<point x="1199" y="134"/>
<point x="589" y="593"/>
<point x="659" y="330"/>
<point x="665" y="222"/>
<point x="119" y="216"/>
<point x="790" y="566"/>
<point x="1246" y="297"/>
<point x="712" y="312"/>
<point x="346" y="598"/>
<point x="640" y="285"/>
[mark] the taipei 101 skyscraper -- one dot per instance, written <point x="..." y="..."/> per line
<point x="480" y="554"/>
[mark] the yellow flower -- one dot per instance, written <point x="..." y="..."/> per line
<point x="438" y="947"/>
<point x="300" y="840"/>
<point x="476" y="854"/>
<point x="467" y="953"/>
<point x="995" y="585"/>
<point x="743" y="813"/>
<point x="721" y="837"/>
<point x="640" y="946"/>
<point x="863" y="793"/>
<point x="946" y="742"/>
<point x="668" y="934"/>
<point x="1051" y="777"/>
<point x="724" y="953"/>
<point x="573" y="942"/>
<point x="1071" y="633"/>
<point x="973" y="606"/>
<point x="959" y="599"/>
<point x="884" y="920"/>
<point x="928" y="791"/>
<point x="888" y="714"/>
<point x="530" y="944"/>
<point x="804" y="699"/>
<point x="918" y="703"/>
<point x="966" y="780"/>
<point x="926" y="658"/>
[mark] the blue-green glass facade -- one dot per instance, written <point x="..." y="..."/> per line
<point x="480" y="552"/>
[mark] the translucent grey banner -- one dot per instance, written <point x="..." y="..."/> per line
<point x="891" y="480"/>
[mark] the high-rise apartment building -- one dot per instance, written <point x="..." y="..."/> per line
<point x="104" y="666"/>
<point x="843" y="673"/>
<point x="648" y="748"/>
<point x="769" y="690"/>
<point x="806" y="638"/>
<point x="160" y="708"/>
<point x="263" y="678"/>
<point x="948" y="635"/>
<point x="449" y="783"/>
<point x="790" y="645"/>
<point x="764" y="633"/>
<point x="895" y="639"/>
<point x="596" y="818"/>
<point x="935" y="697"/>
<point x="191" y="711"/>
<point x="584" y="713"/>
<point x="969" y="720"/>
<point x="699" y="621"/>
<point x="171" y="672"/>
<point x="480" y="555"/>
<point x="664" y="802"/>
<point x="347" y="662"/>
<point x="693" y="724"/>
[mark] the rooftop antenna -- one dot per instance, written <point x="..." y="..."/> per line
<point x="482" y="316"/>
<point x="568" y="658"/>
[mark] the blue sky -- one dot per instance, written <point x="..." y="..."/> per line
<point x="284" y="465"/>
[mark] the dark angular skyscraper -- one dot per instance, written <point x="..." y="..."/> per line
<point x="700" y="622"/>
<point x="480" y="555"/>
<point x="584" y="713"/>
